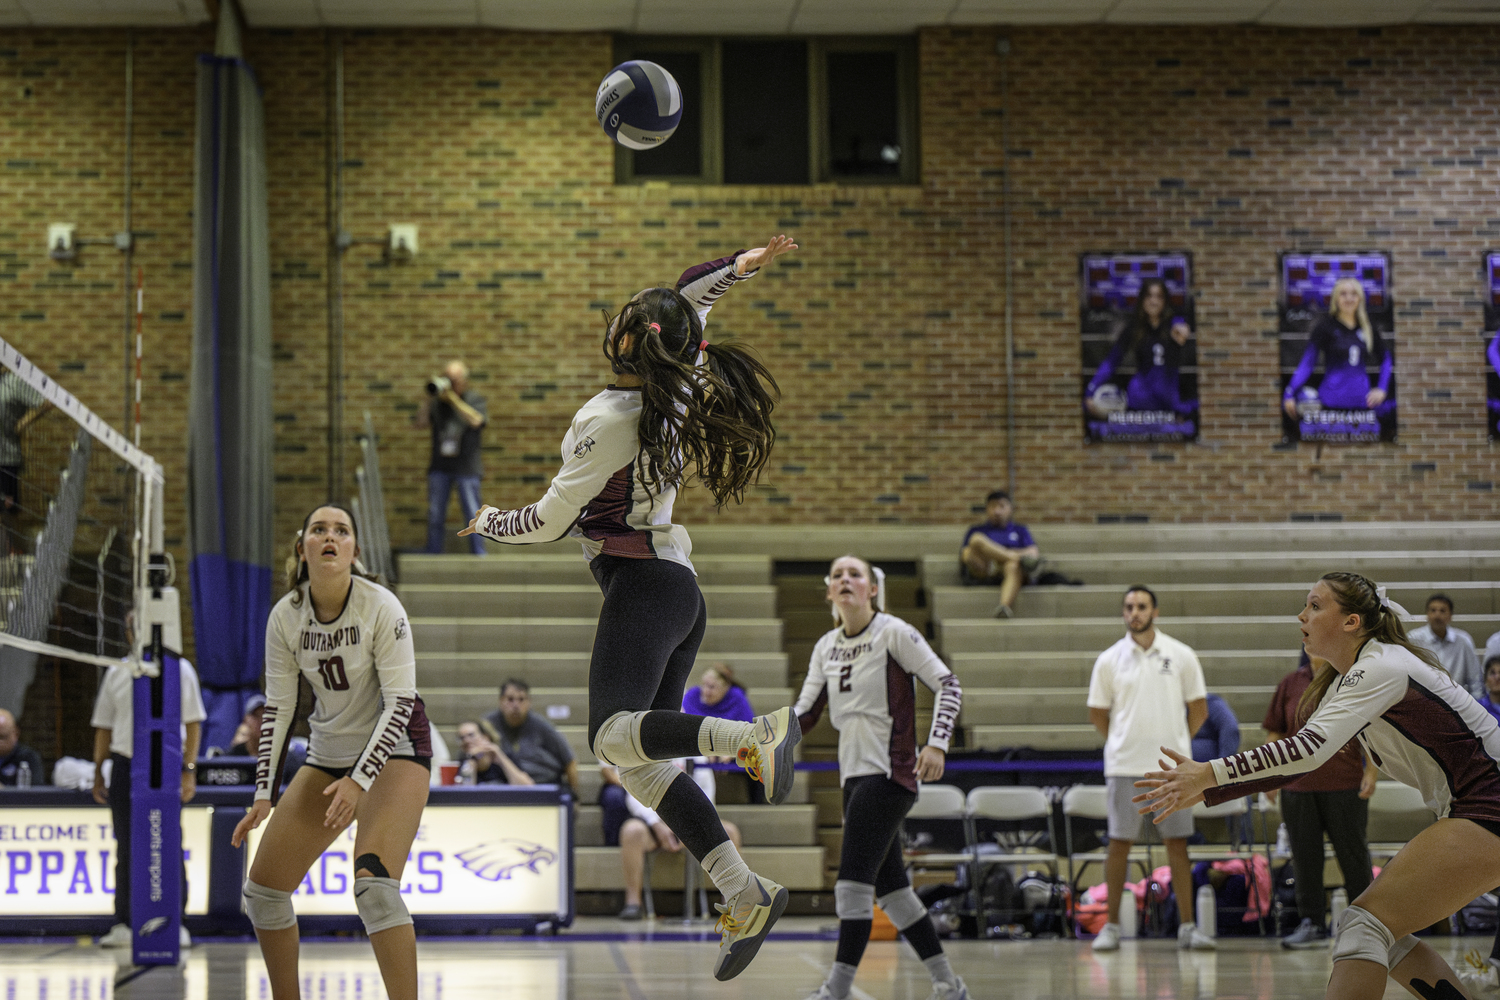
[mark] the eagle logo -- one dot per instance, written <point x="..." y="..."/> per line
<point x="494" y="860"/>
<point x="151" y="926"/>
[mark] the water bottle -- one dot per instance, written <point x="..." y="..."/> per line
<point x="466" y="775"/>
<point x="1283" y="842"/>
<point x="1338" y="906"/>
<point x="23" y="775"/>
<point x="1128" y="916"/>
<point x="1207" y="911"/>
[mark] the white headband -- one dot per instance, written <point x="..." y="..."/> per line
<point x="879" y="591"/>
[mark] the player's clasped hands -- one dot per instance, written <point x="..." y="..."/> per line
<point x="1173" y="787"/>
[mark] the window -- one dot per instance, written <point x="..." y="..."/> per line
<point x="783" y="111"/>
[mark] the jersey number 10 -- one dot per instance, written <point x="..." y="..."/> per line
<point x="332" y="672"/>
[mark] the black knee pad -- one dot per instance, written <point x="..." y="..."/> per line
<point x="371" y="863"/>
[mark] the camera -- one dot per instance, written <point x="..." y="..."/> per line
<point x="438" y="384"/>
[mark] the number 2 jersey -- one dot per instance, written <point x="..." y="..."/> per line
<point x="865" y="681"/>
<point x="1414" y="722"/>
<point x="363" y="672"/>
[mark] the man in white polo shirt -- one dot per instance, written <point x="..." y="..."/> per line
<point x="1146" y="693"/>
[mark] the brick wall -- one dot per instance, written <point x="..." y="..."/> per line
<point x="885" y="329"/>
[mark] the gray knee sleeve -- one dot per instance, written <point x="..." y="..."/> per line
<point x="268" y="909"/>
<point x="379" y="903"/>
<point x="649" y="782"/>
<point x="1362" y="936"/>
<point x="903" y="907"/>
<point x="854" y="900"/>
<point x="1401" y="949"/>
<point x="618" y="741"/>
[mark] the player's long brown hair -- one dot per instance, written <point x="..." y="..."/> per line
<point x="1356" y="595"/>
<point x="714" y="421"/>
<point x="1138" y="321"/>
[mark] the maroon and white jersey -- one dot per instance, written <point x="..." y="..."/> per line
<point x="1414" y="722"/>
<point x="363" y="672"/>
<point x="865" y="681"/>
<point x="599" y="496"/>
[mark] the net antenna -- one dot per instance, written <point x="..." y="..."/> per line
<point x="99" y="552"/>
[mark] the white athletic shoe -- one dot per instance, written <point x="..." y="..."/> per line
<point x="184" y="939"/>
<point x="943" y="991"/>
<point x="1190" y="937"/>
<point x="118" y="937"/>
<point x="1108" y="939"/>
<point x="1478" y="974"/>
<point x="822" y="993"/>
<point x="769" y="759"/>
<point x="744" y="923"/>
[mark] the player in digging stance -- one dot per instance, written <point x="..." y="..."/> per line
<point x="369" y="756"/>
<point x="678" y="406"/>
<point x="1419" y="727"/>
<point x="862" y="672"/>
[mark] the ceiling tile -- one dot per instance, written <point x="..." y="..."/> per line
<point x="679" y="17"/>
<point x="1460" y="12"/>
<point x="281" y="13"/>
<point x="1341" y="13"/>
<point x="575" y="15"/>
<point x="100" y="13"/>
<point x="1185" y="11"/>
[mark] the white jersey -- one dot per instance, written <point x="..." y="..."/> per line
<point x="1146" y="692"/>
<point x="1415" y="723"/>
<point x="865" y="680"/>
<point x="600" y="496"/>
<point x="114" y="708"/>
<point x="363" y="673"/>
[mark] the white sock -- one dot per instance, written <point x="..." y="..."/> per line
<point x="939" y="969"/>
<point x="724" y="737"/>
<point x="840" y="979"/>
<point x="727" y="870"/>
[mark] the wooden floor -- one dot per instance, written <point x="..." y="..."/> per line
<point x="595" y="961"/>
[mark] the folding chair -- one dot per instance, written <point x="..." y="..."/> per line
<point x="942" y="803"/>
<point x="1091" y="802"/>
<point x="1232" y="813"/>
<point x="1395" y="801"/>
<point x="1014" y="807"/>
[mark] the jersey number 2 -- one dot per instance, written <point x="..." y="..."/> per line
<point x="844" y="673"/>
<point x="332" y="672"/>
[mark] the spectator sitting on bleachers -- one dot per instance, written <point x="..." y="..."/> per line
<point x="484" y="763"/>
<point x="643" y="832"/>
<point x="530" y="740"/>
<point x="246" y="739"/>
<point x="1219" y="736"/>
<point x="1491" y="699"/>
<point x="999" y="551"/>
<point x="720" y="696"/>
<point x="1453" y="647"/>
<point x="14" y="753"/>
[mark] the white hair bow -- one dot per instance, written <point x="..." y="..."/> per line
<point x="1393" y="607"/>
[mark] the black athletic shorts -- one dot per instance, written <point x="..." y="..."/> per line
<point x="342" y="772"/>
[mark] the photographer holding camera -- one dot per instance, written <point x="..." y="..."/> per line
<point x="457" y="416"/>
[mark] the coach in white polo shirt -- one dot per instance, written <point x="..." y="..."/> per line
<point x="1146" y="693"/>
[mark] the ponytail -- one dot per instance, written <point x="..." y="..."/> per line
<point x="1378" y="620"/>
<point x="715" y="419"/>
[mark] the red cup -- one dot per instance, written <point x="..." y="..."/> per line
<point x="449" y="773"/>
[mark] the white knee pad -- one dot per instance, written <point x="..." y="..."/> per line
<point x="618" y="741"/>
<point x="1401" y="949"/>
<point x="903" y="907"/>
<point x="854" y="900"/>
<point x="268" y="909"/>
<point x="379" y="903"/>
<point x="1361" y="936"/>
<point x="649" y="782"/>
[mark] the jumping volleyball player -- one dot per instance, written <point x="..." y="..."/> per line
<point x="368" y="759"/>
<point x="677" y="405"/>
<point x="1419" y="727"/>
<point x="862" y="672"/>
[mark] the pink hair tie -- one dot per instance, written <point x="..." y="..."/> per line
<point x="702" y="345"/>
<point x="655" y="326"/>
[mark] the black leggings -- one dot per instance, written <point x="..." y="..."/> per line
<point x="874" y="807"/>
<point x="649" y="631"/>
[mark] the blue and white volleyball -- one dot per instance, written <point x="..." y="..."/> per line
<point x="1108" y="398"/>
<point x="638" y="104"/>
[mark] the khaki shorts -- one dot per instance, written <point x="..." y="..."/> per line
<point x="1126" y="822"/>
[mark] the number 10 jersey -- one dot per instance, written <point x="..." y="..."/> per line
<point x="363" y="673"/>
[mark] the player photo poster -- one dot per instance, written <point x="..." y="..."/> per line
<point x="1492" y="342"/>
<point x="1140" y="355"/>
<point x="1338" y="381"/>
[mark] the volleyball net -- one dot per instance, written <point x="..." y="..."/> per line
<point x="81" y="546"/>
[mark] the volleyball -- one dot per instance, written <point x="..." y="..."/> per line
<point x="1108" y="398"/>
<point x="638" y="104"/>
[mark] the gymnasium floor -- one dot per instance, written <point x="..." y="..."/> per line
<point x="595" y="961"/>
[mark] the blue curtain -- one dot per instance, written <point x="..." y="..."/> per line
<point x="230" y="481"/>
